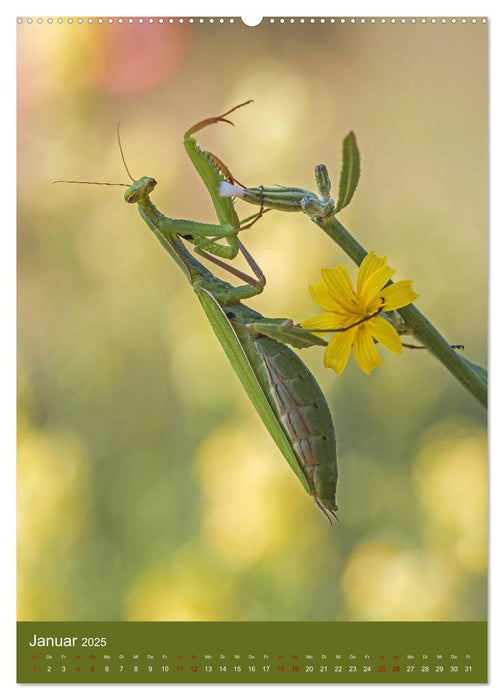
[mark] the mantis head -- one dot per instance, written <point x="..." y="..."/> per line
<point x="140" y="189"/>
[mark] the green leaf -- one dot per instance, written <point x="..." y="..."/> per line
<point x="350" y="171"/>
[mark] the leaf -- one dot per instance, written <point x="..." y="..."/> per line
<point x="350" y="171"/>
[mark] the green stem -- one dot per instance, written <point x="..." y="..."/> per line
<point x="469" y="375"/>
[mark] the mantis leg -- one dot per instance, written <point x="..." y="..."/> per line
<point x="424" y="347"/>
<point x="228" y="251"/>
<point x="213" y="120"/>
<point x="210" y="244"/>
<point x="261" y="279"/>
<point x="258" y="215"/>
<point x="258" y="283"/>
<point x="223" y="168"/>
<point x="213" y="172"/>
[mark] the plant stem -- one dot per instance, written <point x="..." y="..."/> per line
<point x="421" y="327"/>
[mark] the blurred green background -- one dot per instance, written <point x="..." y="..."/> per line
<point x="148" y="487"/>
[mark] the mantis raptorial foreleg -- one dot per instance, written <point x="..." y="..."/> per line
<point x="213" y="172"/>
<point x="204" y="237"/>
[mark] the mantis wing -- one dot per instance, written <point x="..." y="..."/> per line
<point x="233" y="347"/>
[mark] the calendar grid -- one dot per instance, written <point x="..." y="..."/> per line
<point x="235" y="652"/>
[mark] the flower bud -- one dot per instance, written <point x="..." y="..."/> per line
<point x="323" y="181"/>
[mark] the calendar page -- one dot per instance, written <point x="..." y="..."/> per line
<point x="252" y="388"/>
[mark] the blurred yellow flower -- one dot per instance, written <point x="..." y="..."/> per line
<point x="357" y="312"/>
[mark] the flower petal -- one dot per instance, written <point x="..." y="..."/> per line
<point x="321" y="295"/>
<point x="339" y="283"/>
<point x="338" y="351"/>
<point x="386" y="334"/>
<point x="375" y="283"/>
<point x="366" y="354"/>
<point x="370" y="263"/>
<point x="327" y="320"/>
<point x="398" y="294"/>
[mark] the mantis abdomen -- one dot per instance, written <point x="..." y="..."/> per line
<point x="283" y="392"/>
<point x="302" y="410"/>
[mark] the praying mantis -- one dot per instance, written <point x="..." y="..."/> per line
<point x="294" y="199"/>
<point x="282" y="390"/>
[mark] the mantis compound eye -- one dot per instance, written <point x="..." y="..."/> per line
<point x="131" y="195"/>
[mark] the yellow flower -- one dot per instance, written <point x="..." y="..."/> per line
<point x="354" y="315"/>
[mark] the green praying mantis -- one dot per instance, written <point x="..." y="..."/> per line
<point x="284" y="393"/>
<point x="282" y="390"/>
<point x="295" y="199"/>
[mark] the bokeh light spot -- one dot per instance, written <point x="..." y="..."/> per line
<point x="164" y="50"/>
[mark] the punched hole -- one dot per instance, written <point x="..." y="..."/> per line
<point x="252" y="21"/>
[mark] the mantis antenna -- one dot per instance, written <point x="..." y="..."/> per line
<point x="122" y="154"/>
<point x="87" y="182"/>
<point x="113" y="184"/>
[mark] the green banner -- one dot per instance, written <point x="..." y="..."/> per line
<point x="252" y="652"/>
